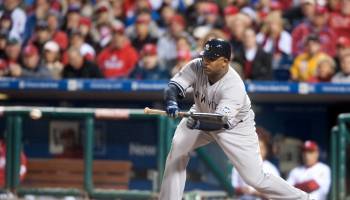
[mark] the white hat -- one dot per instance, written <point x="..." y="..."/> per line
<point x="51" y="46"/>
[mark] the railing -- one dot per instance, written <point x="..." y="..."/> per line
<point x="14" y="117"/>
<point x="340" y="138"/>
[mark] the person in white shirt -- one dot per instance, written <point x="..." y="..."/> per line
<point x="343" y="76"/>
<point x="242" y="189"/>
<point x="18" y="17"/>
<point x="313" y="176"/>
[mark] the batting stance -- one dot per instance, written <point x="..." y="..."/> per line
<point x="217" y="89"/>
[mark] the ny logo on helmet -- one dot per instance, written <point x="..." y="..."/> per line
<point x="207" y="47"/>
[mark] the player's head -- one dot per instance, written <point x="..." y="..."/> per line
<point x="310" y="152"/>
<point x="216" y="48"/>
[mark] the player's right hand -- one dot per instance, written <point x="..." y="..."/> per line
<point x="172" y="109"/>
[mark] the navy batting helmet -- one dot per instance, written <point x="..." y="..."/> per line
<point x="215" y="48"/>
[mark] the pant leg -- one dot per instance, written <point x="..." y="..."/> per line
<point x="241" y="145"/>
<point x="185" y="140"/>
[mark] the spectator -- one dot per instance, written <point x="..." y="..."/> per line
<point x="324" y="71"/>
<point x="244" y="191"/>
<point x="167" y="13"/>
<point x="37" y="13"/>
<point x="77" y="41"/>
<point x="18" y="17"/>
<point x="239" y="23"/>
<point x="318" y="26"/>
<point x="148" y="67"/>
<point x="255" y="61"/>
<point x="85" y="28"/>
<point x="135" y="7"/>
<point x="304" y="65"/>
<point x="31" y="65"/>
<point x="167" y="43"/>
<point x="51" y="59"/>
<point x="300" y="13"/>
<point x="229" y="16"/>
<point x="72" y="18"/>
<point x="41" y="35"/>
<point x="183" y="57"/>
<point x="117" y="10"/>
<point x="3" y="36"/>
<point x="208" y="14"/>
<point x="340" y="21"/>
<point x="6" y="24"/>
<point x="343" y="47"/>
<point x="54" y="22"/>
<point x="78" y="67"/>
<point x="12" y="53"/>
<point x="275" y="40"/>
<point x="313" y="176"/>
<point x="344" y="75"/>
<point x="103" y="13"/>
<point x="119" y="58"/>
<point x="144" y="31"/>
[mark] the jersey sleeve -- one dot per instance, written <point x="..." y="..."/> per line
<point x="291" y="177"/>
<point x="186" y="76"/>
<point x="324" y="179"/>
<point x="233" y="99"/>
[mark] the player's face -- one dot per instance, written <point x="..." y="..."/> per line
<point x="213" y="67"/>
<point x="310" y="157"/>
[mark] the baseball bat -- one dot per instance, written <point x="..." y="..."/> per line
<point x="151" y="111"/>
<point x="212" y="117"/>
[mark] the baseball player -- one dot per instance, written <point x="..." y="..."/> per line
<point x="313" y="176"/>
<point x="217" y="89"/>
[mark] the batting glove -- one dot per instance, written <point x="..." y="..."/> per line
<point x="192" y="123"/>
<point x="172" y="108"/>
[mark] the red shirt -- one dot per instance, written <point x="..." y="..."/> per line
<point x="340" y="24"/>
<point x="61" y="39"/>
<point x="327" y="37"/>
<point x="117" y="63"/>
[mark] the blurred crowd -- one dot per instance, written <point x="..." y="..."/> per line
<point x="298" y="40"/>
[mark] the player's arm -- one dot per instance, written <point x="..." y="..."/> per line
<point x="308" y="186"/>
<point x="232" y="100"/>
<point x="205" y="125"/>
<point x="177" y="87"/>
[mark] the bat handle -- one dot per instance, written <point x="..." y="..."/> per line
<point x="148" y="110"/>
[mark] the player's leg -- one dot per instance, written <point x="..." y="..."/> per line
<point x="241" y="145"/>
<point x="184" y="141"/>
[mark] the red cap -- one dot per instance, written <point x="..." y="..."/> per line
<point x="212" y="8"/>
<point x="149" y="49"/>
<point x="118" y="27"/>
<point x="231" y="10"/>
<point x="30" y="50"/>
<point x="178" y="19"/>
<point x="321" y="10"/>
<point x="275" y="5"/>
<point x="310" y="146"/>
<point x="343" y="42"/>
<point x="85" y="21"/>
<point x="184" y="55"/>
<point x="102" y="7"/>
<point x="3" y="64"/>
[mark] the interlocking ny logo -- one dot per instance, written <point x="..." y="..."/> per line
<point x="207" y="47"/>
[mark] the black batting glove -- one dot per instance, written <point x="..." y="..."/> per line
<point x="192" y="123"/>
<point x="172" y="109"/>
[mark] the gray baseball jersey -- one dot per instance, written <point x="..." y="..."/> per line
<point x="227" y="96"/>
<point x="240" y="143"/>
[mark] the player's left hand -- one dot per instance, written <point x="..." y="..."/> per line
<point x="192" y="123"/>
